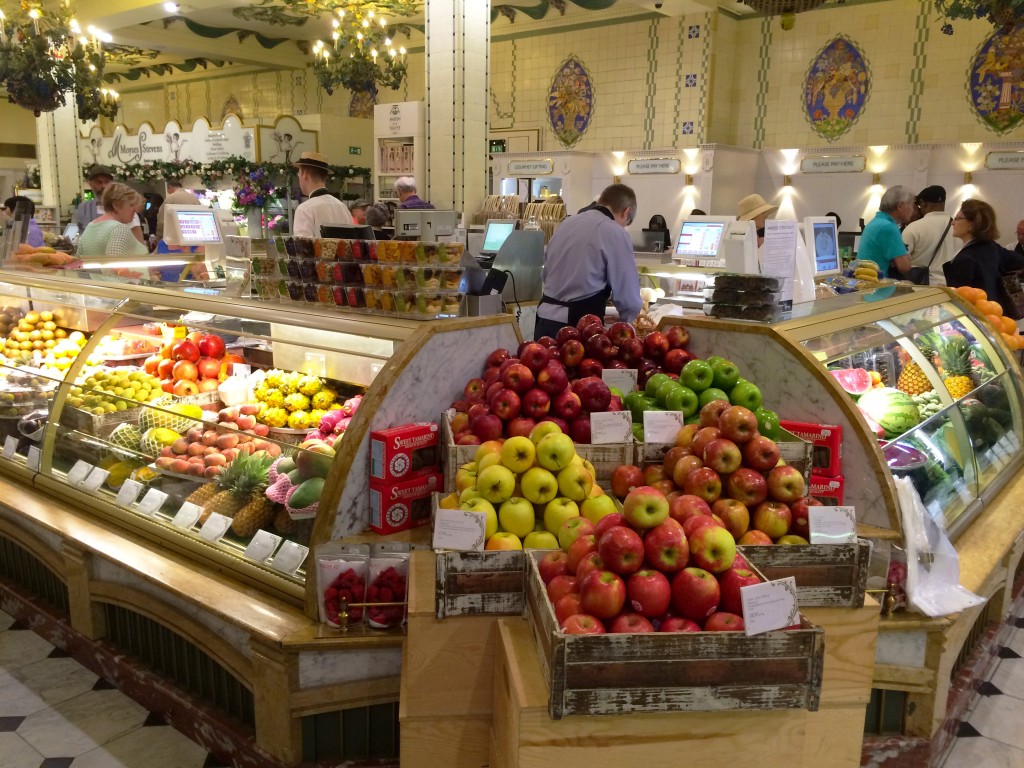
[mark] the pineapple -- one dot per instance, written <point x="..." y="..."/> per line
<point x="203" y="494"/>
<point x="956" y="364"/>
<point x="257" y="513"/>
<point x="239" y="485"/>
<point x="912" y="378"/>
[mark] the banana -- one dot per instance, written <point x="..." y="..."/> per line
<point x="866" y="274"/>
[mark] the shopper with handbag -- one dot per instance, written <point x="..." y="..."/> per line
<point x="982" y="262"/>
<point x="928" y="239"/>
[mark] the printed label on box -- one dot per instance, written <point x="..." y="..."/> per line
<point x="833" y="525"/>
<point x="459" y="529"/>
<point x="403" y="452"/>
<point x="398" y="506"/>
<point x="611" y="427"/>
<point x="662" y="426"/>
<point x="827" y="490"/>
<point x="769" y="606"/>
<point x="827" y="439"/>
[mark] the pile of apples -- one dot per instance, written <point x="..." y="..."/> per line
<point x="641" y="570"/>
<point x="722" y="472"/>
<point x="559" y="380"/>
<point x="527" y="487"/>
<point x="195" y="364"/>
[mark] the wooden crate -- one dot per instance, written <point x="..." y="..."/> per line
<point x="474" y="583"/>
<point x="98" y="425"/>
<point x="695" y="671"/>
<point x="827" y="575"/>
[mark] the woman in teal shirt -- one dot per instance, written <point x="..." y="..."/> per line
<point x="111" y="234"/>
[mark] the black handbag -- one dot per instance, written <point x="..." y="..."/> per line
<point x="919" y="275"/>
<point x="1013" y="295"/>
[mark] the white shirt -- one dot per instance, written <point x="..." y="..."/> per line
<point x="920" y="238"/>
<point x="319" y="210"/>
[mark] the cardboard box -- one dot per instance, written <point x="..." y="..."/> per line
<point x="827" y="490"/>
<point x="404" y="452"/>
<point x="827" y="439"/>
<point x="395" y="507"/>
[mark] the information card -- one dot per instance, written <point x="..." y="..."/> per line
<point x="662" y="426"/>
<point x="833" y="525"/>
<point x="623" y="379"/>
<point x="128" y="493"/>
<point x="611" y="427"/>
<point x="95" y="479"/>
<point x="35" y="457"/>
<point x="188" y="515"/>
<point x="459" y="529"/>
<point x="152" y="501"/>
<point x="769" y="606"/>
<point x="10" y="447"/>
<point x="215" y="527"/>
<point x="78" y="473"/>
<point x="262" y="546"/>
<point x="289" y="557"/>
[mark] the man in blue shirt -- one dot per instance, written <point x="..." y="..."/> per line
<point x="881" y="241"/>
<point x="589" y="260"/>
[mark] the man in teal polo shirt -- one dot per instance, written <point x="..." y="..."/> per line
<point x="881" y="240"/>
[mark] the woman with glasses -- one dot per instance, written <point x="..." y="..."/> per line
<point x="981" y="261"/>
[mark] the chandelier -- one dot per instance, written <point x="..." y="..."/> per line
<point x="44" y="56"/>
<point x="1002" y="14"/>
<point x="362" y="53"/>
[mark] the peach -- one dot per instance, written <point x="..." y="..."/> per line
<point x="178" y="465"/>
<point x="246" y="422"/>
<point x="228" y="440"/>
<point x="196" y="449"/>
<point x="211" y="472"/>
<point x="261" y="430"/>
<point x="249" y="409"/>
<point x="216" y="460"/>
<point x="210" y="437"/>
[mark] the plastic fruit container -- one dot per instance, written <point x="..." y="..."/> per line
<point x="323" y="294"/>
<point x="451" y="279"/>
<point x="294" y="290"/>
<point x="323" y="271"/>
<point x="429" y="277"/>
<point x="339" y="295"/>
<point x="450" y="253"/>
<point x="371" y="297"/>
<point x="305" y="248"/>
<point x="307" y="269"/>
<point x="406" y="252"/>
<point x="354" y="297"/>
<point x="328" y="248"/>
<point x="309" y="292"/>
<point x="387" y="301"/>
<point x="452" y="304"/>
<point x="373" y="275"/>
<point x="343" y="251"/>
<point x="746" y="298"/>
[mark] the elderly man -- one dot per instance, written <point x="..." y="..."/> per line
<point x="1019" y="246"/>
<point x="320" y="207"/>
<point x="929" y="240"/>
<point x="358" y="209"/>
<point x="881" y="241"/>
<point x="405" y="190"/>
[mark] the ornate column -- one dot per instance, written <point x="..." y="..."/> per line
<point x="457" y="52"/>
<point x="60" y="161"/>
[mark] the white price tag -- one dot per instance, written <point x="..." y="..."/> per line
<point x="612" y="427"/>
<point x="35" y="458"/>
<point x="128" y="493"/>
<point x="662" y="426"/>
<point x="78" y="473"/>
<point x="833" y="525"/>
<point x="152" y="501"/>
<point x="289" y="557"/>
<point x="459" y="529"/>
<point x="215" y="527"/>
<point x="262" y="546"/>
<point x="95" y="480"/>
<point x="769" y="606"/>
<point x="188" y="515"/>
<point x="623" y="379"/>
<point x="10" y="447"/>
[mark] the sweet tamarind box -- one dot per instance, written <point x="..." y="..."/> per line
<point x="827" y="439"/>
<point x="406" y="504"/>
<point x="827" y="490"/>
<point x="404" y="452"/>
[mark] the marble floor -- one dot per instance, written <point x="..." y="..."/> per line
<point x="54" y="713"/>
<point x="990" y="735"/>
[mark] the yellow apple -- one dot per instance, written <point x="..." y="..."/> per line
<point x="503" y="540"/>
<point x="574" y="482"/>
<point x="491" y="446"/>
<point x="557" y="512"/>
<point x="469" y="493"/>
<point x="540" y="540"/>
<point x="597" y="507"/>
<point x="596" y="490"/>
<point x="542" y="430"/>
<point x="516" y="516"/>
<point x="539" y="486"/>
<point x="485" y="508"/>
<point x="555" y="452"/>
<point x="518" y="454"/>
<point x="496" y="483"/>
<point x="465" y="477"/>
<point x="488" y="460"/>
<point x="451" y="501"/>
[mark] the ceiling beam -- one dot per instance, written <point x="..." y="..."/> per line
<point x="125" y="13"/>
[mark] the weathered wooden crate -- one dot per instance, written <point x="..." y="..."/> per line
<point x="98" y="425"/>
<point x="692" y="671"/>
<point x="480" y="583"/>
<point x="605" y="458"/>
<point x="827" y="575"/>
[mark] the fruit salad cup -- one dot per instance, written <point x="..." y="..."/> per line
<point x="373" y="275"/>
<point x="343" y="251"/>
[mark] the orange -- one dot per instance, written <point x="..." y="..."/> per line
<point x="971" y="294"/>
<point x="1009" y="325"/>
<point x="1011" y="341"/>
<point x="995" y="321"/>
<point x="989" y="308"/>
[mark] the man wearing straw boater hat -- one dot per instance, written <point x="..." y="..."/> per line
<point x="321" y="207"/>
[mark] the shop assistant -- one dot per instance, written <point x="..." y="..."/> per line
<point x="589" y="260"/>
<point x="321" y="207"/>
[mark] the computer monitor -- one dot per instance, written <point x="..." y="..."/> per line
<point x="495" y="235"/>
<point x="191" y="225"/>
<point x="353" y="232"/>
<point x="700" y="237"/>
<point x="656" y="239"/>
<point x="822" y="242"/>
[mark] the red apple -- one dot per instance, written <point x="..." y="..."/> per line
<point x="772" y="518"/>
<point x="675" y="359"/>
<point x="738" y="424"/>
<point x="521" y="426"/>
<point x="731" y="582"/>
<point x="703" y="438"/>
<point x="562" y="424"/>
<point x="666" y="547"/>
<point x="724" y="622"/>
<point x="683" y="467"/>
<point x="711" y="412"/>
<point x="594" y="394"/>
<point x="506" y="405"/>
<point x="607" y="522"/>
<point x="491" y="375"/>
<point x="586" y="320"/>
<point x="631" y="351"/>
<point x="579" y="429"/>
<point x="185" y="350"/>
<point x="553" y="564"/>
<point x="211" y="345"/>
<point x="685" y="506"/>
<point x="626" y="623"/>
<point x="571" y="530"/>
<point x="590" y="562"/>
<point x="649" y="593"/>
<point x="506" y="364"/>
<point x="760" y="453"/>
<point x="517" y="377"/>
<point x="625" y="478"/>
<point x="571" y="353"/>
<point x="678" y="624"/>
<point x="653" y="473"/>
<point x="566" y="333"/>
<point x="580" y="548"/>
<point x="747" y="486"/>
<point x="621" y="550"/>
<point x="561" y="585"/>
<point x="801" y="524"/>
<point x="734" y="514"/>
<point x="492" y="390"/>
<point x="535" y="403"/>
<point x="699" y="521"/>
<point x="695" y="594"/>
<point x="488" y="427"/>
<point x="467" y="439"/>
<point x="497" y="357"/>
<point x="665" y="486"/>
<point x="712" y="548"/>
<point x="672" y="455"/>
<point x="582" y="624"/>
<point x="589" y="367"/>
<point x="568" y="605"/>
<point x="678" y="337"/>
<point x="552" y="378"/>
<point x="590" y="330"/>
<point x="685" y="435"/>
<point x="620" y="332"/>
<point x="476" y="410"/>
<point x="602" y="594"/>
<point x="786" y="484"/>
<point x="723" y="456"/>
<point x="703" y="482"/>
<point x="655" y="345"/>
<point x="475" y="390"/>
<point x="644" y="507"/>
<point x="566" y="405"/>
<point x="615" y="365"/>
<point x="535" y="356"/>
<point x="460" y="423"/>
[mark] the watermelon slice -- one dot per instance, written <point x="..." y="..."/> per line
<point x="856" y="381"/>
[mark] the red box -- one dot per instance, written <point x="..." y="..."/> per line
<point x="827" y="439"/>
<point x="827" y="490"/>
<point x="401" y="453"/>
<point x="395" y="507"/>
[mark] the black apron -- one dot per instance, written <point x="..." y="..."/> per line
<point x="588" y="305"/>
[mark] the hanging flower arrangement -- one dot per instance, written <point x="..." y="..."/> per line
<point x="1000" y="13"/>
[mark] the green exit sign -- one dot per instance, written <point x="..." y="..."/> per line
<point x="355" y="150"/>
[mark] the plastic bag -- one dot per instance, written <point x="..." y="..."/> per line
<point x="389" y="576"/>
<point x="933" y="567"/>
<point x="341" y="571"/>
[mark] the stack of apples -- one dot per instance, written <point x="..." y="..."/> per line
<point x="197" y="363"/>
<point x="721" y="469"/>
<point x="642" y="570"/>
<point x="527" y="487"/>
<point x="559" y="380"/>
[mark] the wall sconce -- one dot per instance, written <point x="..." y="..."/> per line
<point x="968" y="177"/>
<point x="616" y="179"/>
<point x="876" y="178"/>
<point x="787" y="181"/>
<point x="688" y="179"/>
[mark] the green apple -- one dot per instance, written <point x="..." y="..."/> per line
<point x="518" y="454"/>
<point x="557" y="512"/>
<point x="726" y="374"/>
<point x="538" y="485"/>
<point x="496" y="484"/>
<point x="491" y="446"/>
<point x="542" y="430"/>
<point x="651" y="390"/>
<point x="574" y="482"/>
<point x="485" y="508"/>
<point x="469" y="493"/>
<point x="661" y="396"/>
<point x="682" y="399"/>
<point x="638" y="431"/>
<point x="597" y="507"/>
<point x="767" y="423"/>
<point x="540" y="540"/>
<point x="747" y="394"/>
<point x="693" y="418"/>
<point x="488" y="460"/>
<point x="792" y="540"/>
<point x="503" y="540"/>
<point x="711" y="393"/>
<point x="697" y="375"/>
<point x="714" y="359"/>
<point x="516" y="516"/>
<point x="555" y="452"/>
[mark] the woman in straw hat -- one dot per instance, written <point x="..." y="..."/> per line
<point x="321" y="207"/>
<point x="754" y="208"/>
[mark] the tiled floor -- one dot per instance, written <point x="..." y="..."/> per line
<point x="992" y="736"/>
<point x="54" y="713"/>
